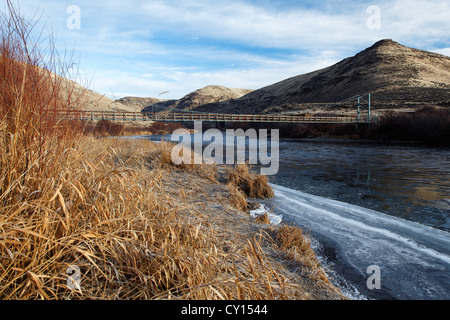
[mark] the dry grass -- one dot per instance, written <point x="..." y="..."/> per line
<point x="135" y="233"/>
<point x="163" y="157"/>
<point x="296" y="245"/>
<point x="252" y="185"/>
<point x="136" y="226"/>
<point x="243" y="184"/>
<point x="236" y="198"/>
<point x="264" y="219"/>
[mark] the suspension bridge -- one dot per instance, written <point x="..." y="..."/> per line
<point x="363" y="115"/>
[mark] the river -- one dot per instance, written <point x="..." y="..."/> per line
<point x="370" y="205"/>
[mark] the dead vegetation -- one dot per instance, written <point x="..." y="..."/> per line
<point x="85" y="218"/>
<point x="297" y="247"/>
<point x="138" y="229"/>
<point x="243" y="184"/>
<point x="251" y="184"/>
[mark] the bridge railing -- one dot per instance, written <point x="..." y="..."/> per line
<point x="215" y="117"/>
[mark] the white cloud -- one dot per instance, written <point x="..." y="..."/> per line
<point x="420" y="22"/>
<point x="444" y="51"/>
<point x="244" y="23"/>
<point x="301" y="27"/>
<point x="180" y="81"/>
<point x="180" y="42"/>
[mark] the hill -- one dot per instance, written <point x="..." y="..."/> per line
<point x="206" y="95"/>
<point x="210" y="94"/>
<point x="138" y="103"/>
<point x="396" y="75"/>
<point x="94" y="101"/>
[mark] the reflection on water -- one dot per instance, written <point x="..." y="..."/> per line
<point x="405" y="181"/>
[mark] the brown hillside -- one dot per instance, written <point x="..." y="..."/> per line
<point x="209" y="94"/>
<point x="93" y="101"/>
<point x="137" y="102"/>
<point x="393" y="73"/>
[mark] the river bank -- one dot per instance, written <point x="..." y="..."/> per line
<point x="369" y="180"/>
<point x="102" y="219"/>
<point x="137" y="227"/>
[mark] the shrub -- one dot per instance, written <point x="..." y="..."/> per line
<point x="163" y="127"/>
<point x="427" y="125"/>
<point x="252" y="185"/>
<point x="107" y="127"/>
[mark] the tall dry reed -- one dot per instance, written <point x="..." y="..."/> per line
<point x="102" y="207"/>
<point x="31" y="138"/>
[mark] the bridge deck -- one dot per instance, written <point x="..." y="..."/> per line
<point x="211" y="117"/>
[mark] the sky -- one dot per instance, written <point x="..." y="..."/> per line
<point x="169" y="48"/>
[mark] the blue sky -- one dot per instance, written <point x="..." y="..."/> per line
<point x="146" y="47"/>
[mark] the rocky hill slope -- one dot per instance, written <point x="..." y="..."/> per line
<point x="138" y="103"/>
<point x="206" y="95"/>
<point x="209" y="94"/>
<point x="94" y="101"/>
<point x="396" y="76"/>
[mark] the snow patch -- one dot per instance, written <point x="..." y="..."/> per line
<point x="274" y="218"/>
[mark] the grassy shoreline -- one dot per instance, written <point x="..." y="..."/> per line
<point x="107" y="219"/>
<point x="85" y="218"/>
<point x="138" y="227"/>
